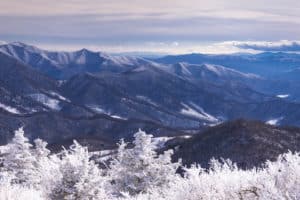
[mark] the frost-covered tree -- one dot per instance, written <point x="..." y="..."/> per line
<point x="18" y="160"/>
<point x="279" y="180"/>
<point x="48" y="174"/>
<point x="81" y="177"/>
<point x="137" y="173"/>
<point x="138" y="169"/>
<point x="40" y="150"/>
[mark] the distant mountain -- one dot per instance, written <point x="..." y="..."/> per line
<point x="276" y="73"/>
<point x="265" y="64"/>
<point x="63" y="65"/>
<point x="247" y="143"/>
<point x="20" y="85"/>
<point x="155" y="94"/>
<point x="104" y="97"/>
<point x="290" y="75"/>
<point x="216" y="74"/>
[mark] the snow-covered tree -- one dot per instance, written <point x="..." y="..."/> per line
<point x="18" y="160"/>
<point x="279" y="180"/>
<point x="137" y="173"/>
<point x="40" y="150"/>
<point x="48" y="174"/>
<point x="81" y="177"/>
<point x="138" y="169"/>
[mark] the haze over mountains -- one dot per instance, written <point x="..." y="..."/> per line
<point x="83" y="94"/>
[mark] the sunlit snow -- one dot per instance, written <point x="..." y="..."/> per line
<point x="118" y="117"/>
<point x="283" y="96"/>
<point x="59" y="96"/>
<point x="148" y="100"/>
<point x="274" y="121"/>
<point x="100" y="110"/>
<point x="199" y="113"/>
<point x="160" y="141"/>
<point x="47" y="101"/>
<point x="9" y="109"/>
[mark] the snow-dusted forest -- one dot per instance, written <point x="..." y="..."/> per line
<point x="31" y="171"/>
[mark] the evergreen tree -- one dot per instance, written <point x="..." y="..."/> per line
<point x="138" y="169"/>
<point x="41" y="151"/>
<point x="19" y="161"/>
<point x="48" y="168"/>
<point x="81" y="177"/>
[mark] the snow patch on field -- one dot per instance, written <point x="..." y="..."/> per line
<point x="47" y="101"/>
<point x="9" y="109"/>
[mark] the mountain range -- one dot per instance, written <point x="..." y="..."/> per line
<point x="58" y="96"/>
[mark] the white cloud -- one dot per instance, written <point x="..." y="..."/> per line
<point x="282" y="45"/>
<point x="173" y="26"/>
<point x="267" y="10"/>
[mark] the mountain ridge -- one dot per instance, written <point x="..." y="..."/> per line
<point x="120" y="91"/>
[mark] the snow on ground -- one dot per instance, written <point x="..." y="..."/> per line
<point x="100" y="110"/>
<point x="186" y="136"/>
<point x="148" y="100"/>
<point x="275" y="121"/>
<point x="97" y="109"/>
<point x="184" y="68"/>
<point x="9" y="109"/>
<point x="118" y="117"/>
<point x="197" y="112"/>
<point x="139" y="69"/>
<point x="221" y="70"/>
<point x="47" y="101"/>
<point x="59" y="96"/>
<point x="213" y="68"/>
<point x="159" y="142"/>
<point x="283" y="96"/>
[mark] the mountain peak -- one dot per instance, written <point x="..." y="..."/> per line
<point x="21" y="44"/>
<point x="84" y="50"/>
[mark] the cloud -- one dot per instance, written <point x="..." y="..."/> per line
<point x="149" y="47"/>
<point x="176" y="23"/>
<point x="287" y="46"/>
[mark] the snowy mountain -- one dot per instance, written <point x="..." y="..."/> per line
<point x="105" y="98"/>
<point x="63" y="65"/>
<point x="18" y="83"/>
<point x="265" y="64"/>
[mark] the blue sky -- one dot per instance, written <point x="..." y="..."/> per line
<point x="172" y="26"/>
